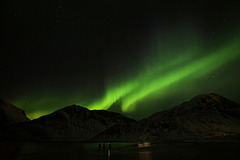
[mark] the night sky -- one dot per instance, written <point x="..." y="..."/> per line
<point x="132" y="58"/>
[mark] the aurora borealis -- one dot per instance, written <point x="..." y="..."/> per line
<point x="153" y="81"/>
<point x="129" y="59"/>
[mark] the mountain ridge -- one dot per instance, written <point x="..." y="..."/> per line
<point x="204" y="116"/>
<point x="73" y="122"/>
<point x="10" y="114"/>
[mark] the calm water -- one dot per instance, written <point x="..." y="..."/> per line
<point x="126" y="151"/>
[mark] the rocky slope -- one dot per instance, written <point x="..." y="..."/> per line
<point x="9" y="114"/>
<point x="204" y="116"/>
<point x="73" y="122"/>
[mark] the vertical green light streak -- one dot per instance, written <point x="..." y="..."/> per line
<point x="116" y="92"/>
<point x="194" y="69"/>
<point x="113" y="95"/>
<point x="161" y="75"/>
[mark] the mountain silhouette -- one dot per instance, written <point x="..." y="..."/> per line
<point x="73" y="123"/>
<point x="9" y="114"/>
<point x="204" y="116"/>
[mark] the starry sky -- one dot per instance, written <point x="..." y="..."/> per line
<point x="135" y="58"/>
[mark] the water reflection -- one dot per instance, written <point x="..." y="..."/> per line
<point x="109" y="154"/>
<point x="144" y="154"/>
<point x="105" y="150"/>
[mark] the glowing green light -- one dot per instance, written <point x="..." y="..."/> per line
<point x="194" y="69"/>
<point x="37" y="114"/>
<point x="161" y="75"/>
<point x="159" y="70"/>
<point x="115" y="93"/>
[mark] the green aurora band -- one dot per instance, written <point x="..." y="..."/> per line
<point x="155" y="80"/>
<point x="153" y="77"/>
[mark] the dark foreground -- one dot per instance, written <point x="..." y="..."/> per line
<point x="120" y="151"/>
